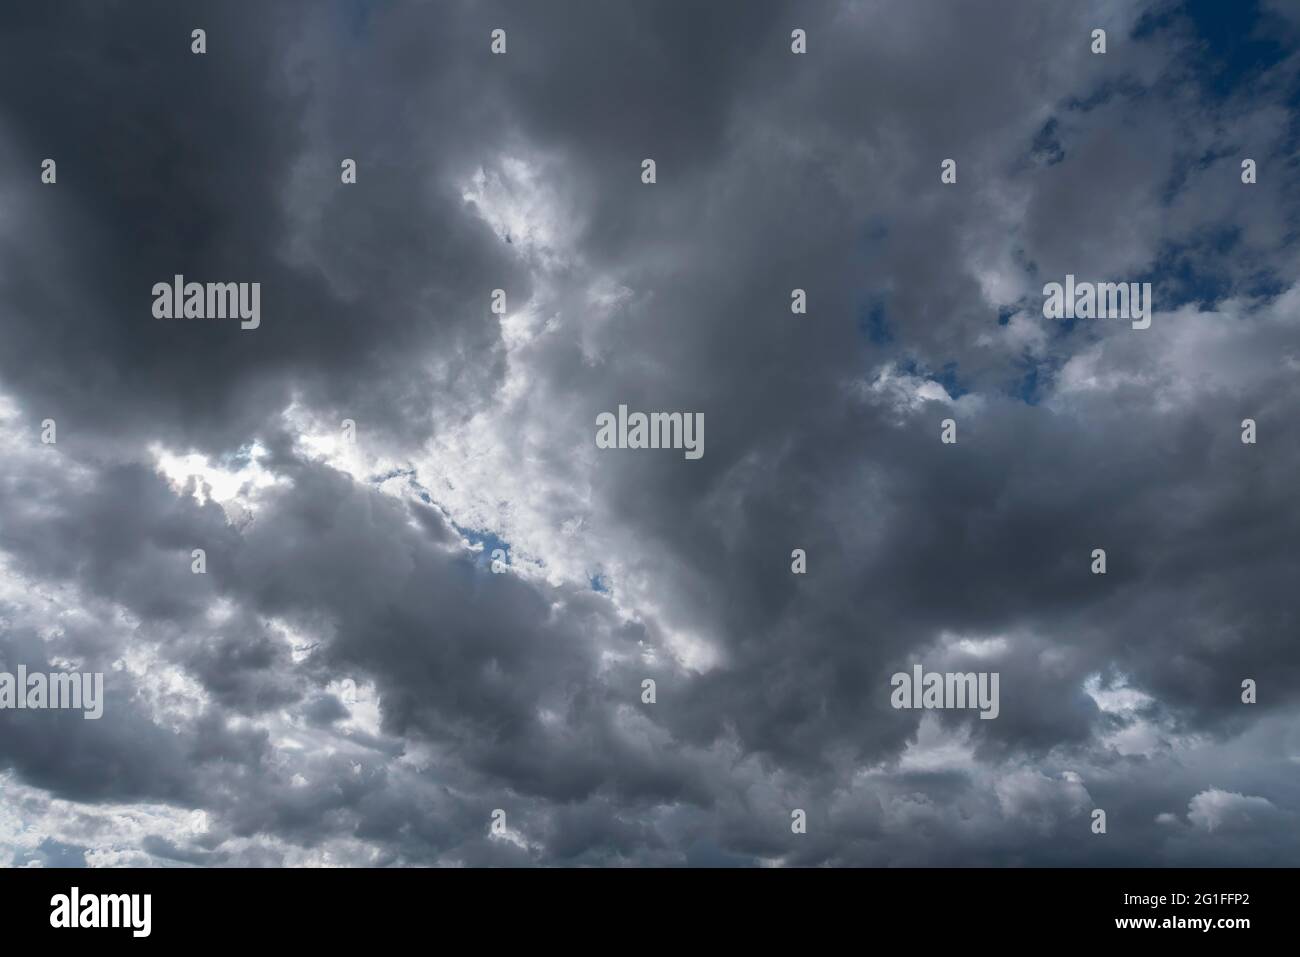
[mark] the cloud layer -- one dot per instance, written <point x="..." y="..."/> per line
<point x="351" y="682"/>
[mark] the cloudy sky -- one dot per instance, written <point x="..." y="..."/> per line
<point x="350" y="683"/>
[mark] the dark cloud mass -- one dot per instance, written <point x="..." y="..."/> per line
<point x="353" y="682"/>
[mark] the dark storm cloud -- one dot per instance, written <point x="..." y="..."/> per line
<point x="131" y="142"/>
<point x="523" y="692"/>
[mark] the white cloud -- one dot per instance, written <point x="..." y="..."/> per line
<point x="1214" y="810"/>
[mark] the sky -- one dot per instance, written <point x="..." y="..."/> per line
<point x="355" y="679"/>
